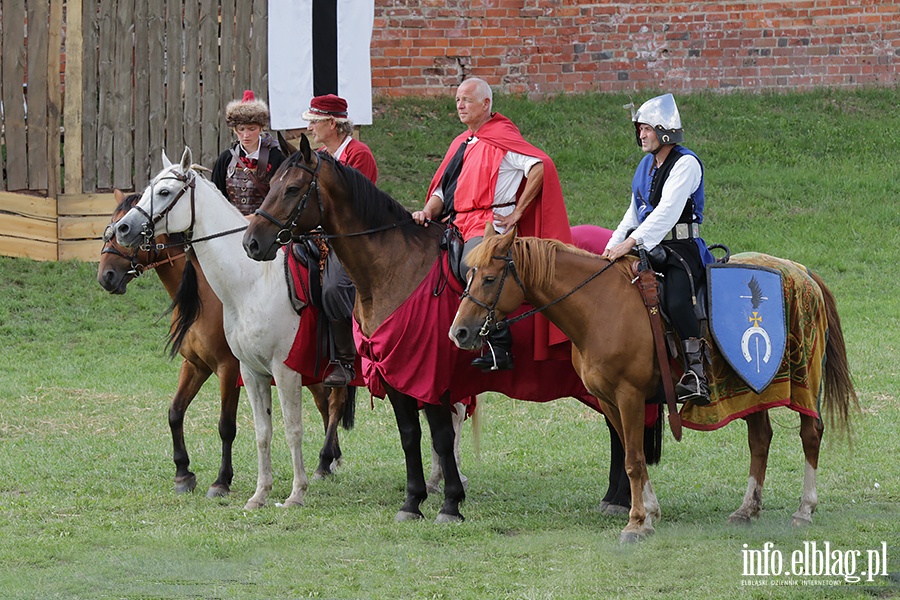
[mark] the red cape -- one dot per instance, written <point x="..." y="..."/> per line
<point x="545" y="218"/>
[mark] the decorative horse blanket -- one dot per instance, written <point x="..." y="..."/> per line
<point x="802" y="365"/>
<point x="412" y="352"/>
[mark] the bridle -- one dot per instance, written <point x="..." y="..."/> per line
<point x="285" y="234"/>
<point x="189" y="179"/>
<point x="490" y="320"/>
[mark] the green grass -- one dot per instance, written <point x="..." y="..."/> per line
<point x="87" y="508"/>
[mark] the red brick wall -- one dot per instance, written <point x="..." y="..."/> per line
<point x="537" y="47"/>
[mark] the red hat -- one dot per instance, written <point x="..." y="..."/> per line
<point x="327" y="107"/>
<point x="247" y="111"/>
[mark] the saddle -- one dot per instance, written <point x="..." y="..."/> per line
<point x="311" y="254"/>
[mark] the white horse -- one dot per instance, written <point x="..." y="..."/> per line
<point x="260" y="324"/>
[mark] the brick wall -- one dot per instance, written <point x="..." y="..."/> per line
<point x="538" y="47"/>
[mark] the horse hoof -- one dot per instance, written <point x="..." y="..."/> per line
<point x="404" y="516"/>
<point x="433" y="489"/>
<point x="253" y="505"/>
<point x="800" y="521"/>
<point x="630" y="537"/>
<point x="614" y="510"/>
<point x="740" y="519"/>
<point x="448" y="518"/>
<point x="289" y="503"/>
<point x="217" y="491"/>
<point x="186" y="484"/>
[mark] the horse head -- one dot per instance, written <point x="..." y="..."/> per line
<point x="118" y="265"/>
<point x="292" y="206"/>
<point x="158" y="210"/>
<point x="494" y="289"/>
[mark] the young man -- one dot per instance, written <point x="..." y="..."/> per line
<point x="666" y="209"/>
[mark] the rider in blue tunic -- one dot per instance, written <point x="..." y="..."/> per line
<point x="666" y="210"/>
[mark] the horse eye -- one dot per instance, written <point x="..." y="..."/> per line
<point x="163" y="192"/>
<point x="490" y="279"/>
<point x="292" y="191"/>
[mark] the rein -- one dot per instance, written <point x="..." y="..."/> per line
<point x="511" y="268"/>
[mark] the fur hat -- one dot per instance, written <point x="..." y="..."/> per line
<point x="247" y="111"/>
<point x="328" y="106"/>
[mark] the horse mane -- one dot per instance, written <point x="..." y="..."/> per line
<point x="128" y="202"/>
<point x="534" y="257"/>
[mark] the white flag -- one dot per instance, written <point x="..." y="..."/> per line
<point x="300" y="69"/>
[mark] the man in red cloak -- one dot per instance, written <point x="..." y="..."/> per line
<point x="490" y="173"/>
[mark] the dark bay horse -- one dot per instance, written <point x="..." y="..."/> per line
<point x="613" y="351"/>
<point x="389" y="258"/>
<point x="198" y="333"/>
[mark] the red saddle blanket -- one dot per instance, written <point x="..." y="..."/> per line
<point x="413" y="354"/>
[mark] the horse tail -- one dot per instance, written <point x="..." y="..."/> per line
<point x="348" y="417"/>
<point x="186" y="306"/>
<point x="840" y="395"/>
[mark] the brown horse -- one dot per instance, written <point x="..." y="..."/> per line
<point x="197" y="333"/>
<point x="613" y="351"/>
<point x="389" y="258"/>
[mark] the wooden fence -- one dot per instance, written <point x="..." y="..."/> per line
<point x="131" y="77"/>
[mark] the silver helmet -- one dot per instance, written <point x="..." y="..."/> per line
<point x="661" y="113"/>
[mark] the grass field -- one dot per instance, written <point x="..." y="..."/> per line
<point x="87" y="508"/>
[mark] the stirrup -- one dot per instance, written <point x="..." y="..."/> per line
<point x="488" y="363"/>
<point x="340" y="376"/>
<point x="692" y="390"/>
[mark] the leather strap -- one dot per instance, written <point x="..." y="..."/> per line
<point x="649" y="288"/>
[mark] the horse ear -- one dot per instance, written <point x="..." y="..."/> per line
<point x="305" y="149"/>
<point x="507" y="239"/>
<point x="489" y="230"/>
<point x="286" y="148"/>
<point x="166" y="162"/>
<point x="187" y="160"/>
<point x="119" y="195"/>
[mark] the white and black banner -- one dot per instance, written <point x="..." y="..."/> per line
<point x="319" y="47"/>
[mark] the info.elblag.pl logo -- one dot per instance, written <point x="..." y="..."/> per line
<point x="816" y="563"/>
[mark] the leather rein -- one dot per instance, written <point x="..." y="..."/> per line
<point x="509" y="268"/>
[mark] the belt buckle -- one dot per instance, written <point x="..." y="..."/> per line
<point x="682" y="232"/>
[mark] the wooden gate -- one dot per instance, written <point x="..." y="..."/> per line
<point x="92" y="92"/>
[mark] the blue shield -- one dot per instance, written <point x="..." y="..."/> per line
<point x="747" y="321"/>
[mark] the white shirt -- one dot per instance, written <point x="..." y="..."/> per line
<point x="340" y="150"/>
<point x="683" y="180"/>
<point x="513" y="168"/>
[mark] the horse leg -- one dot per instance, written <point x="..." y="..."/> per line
<point x="759" y="436"/>
<point x="629" y="421"/>
<point x="190" y="379"/>
<point x="259" y="392"/>
<point x="811" y="435"/>
<point x="407" y="414"/>
<point x="443" y="435"/>
<point x="330" y="403"/>
<point x="433" y="485"/>
<point x="617" y="500"/>
<point x="230" y="394"/>
<point x="290" y="395"/>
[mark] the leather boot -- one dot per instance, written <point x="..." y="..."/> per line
<point x="344" y="355"/>
<point x="499" y="351"/>
<point x="693" y="386"/>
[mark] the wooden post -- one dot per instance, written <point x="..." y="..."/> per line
<point x="54" y="97"/>
<point x="72" y="110"/>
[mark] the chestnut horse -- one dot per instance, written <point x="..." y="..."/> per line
<point x="387" y="256"/>
<point x="257" y="318"/>
<point x="596" y="305"/>
<point x="203" y="347"/>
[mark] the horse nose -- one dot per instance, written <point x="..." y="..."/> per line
<point x="251" y="247"/>
<point x="460" y="336"/>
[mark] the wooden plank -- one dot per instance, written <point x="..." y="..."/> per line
<point x="142" y="69"/>
<point x="13" y="66"/>
<point x="54" y="97"/>
<point x="121" y="111"/>
<point x="226" y="73"/>
<point x="82" y="228"/>
<point x="192" y="78"/>
<point x="27" y="228"/>
<point x="211" y="106"/>
<point x="86" y="204"/>
<point x="242" y="48"/>
<point x="30" y="206"/>
<point x="91" y="94"/>
<point x="83" y="250"/>
<point x="36" y="68"/>
<point x="2" y="159"/>
<point x="72" y="142"/>
<point x="33" y="249"/>
<point x="174" y="65"/>
<point x="106" y="116"/>
<point x="157" y="101"/>
<point x="259" y="66"/>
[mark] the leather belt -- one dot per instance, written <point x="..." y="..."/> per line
<point x="683" y="231"/>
